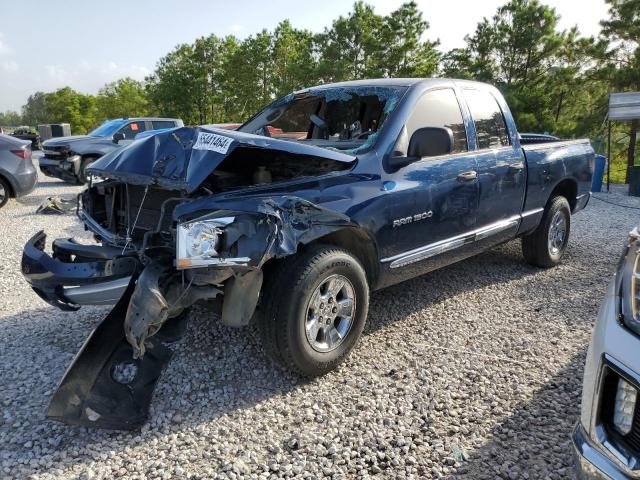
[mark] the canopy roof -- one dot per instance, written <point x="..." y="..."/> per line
<point x="624" y="106"/>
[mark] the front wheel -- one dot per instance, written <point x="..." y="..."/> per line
<point x="83" y="176"/>
<point x="315" y="308"/>
<point x="546" y="245"/>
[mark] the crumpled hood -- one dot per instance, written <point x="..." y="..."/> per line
<point x="183" y="158"/>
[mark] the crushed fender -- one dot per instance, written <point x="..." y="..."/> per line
<point x="158" y="296"/>
<point x="266" y="227"/>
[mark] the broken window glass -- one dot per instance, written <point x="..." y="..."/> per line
<point x="342" y="118"/>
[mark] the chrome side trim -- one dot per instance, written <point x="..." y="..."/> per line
<point x="496" y="228"/>
<point x="532" y="212"/>
<point x="442" y="246"/>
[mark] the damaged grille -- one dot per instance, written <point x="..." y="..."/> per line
<point x="56" y="153"/>
<point x="116" y="207"/>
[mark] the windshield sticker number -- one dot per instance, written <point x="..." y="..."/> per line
<point x="213" y="142"/>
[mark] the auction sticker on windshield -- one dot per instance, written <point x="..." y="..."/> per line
<point x="213" y="142"/>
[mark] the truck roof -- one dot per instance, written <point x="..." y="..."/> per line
<point x="393" y="82"/>
<point x="147" y="118"/>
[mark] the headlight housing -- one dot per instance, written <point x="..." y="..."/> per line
<point x="629" y="270"/>
<point x="198" y="242"/>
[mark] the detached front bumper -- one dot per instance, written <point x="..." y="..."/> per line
<point x="107" y="385"/>
<point x="76" y="274"/>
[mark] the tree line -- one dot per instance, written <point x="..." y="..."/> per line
<point x="554" y="80"/>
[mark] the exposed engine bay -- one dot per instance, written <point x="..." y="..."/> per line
<point x="135" y="212"/>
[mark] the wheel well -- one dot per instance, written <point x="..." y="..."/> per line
<point x="12" y="192"/>
<point x="567" y="188"/>
<point x="89" y="156"/>
<point x="358" y="243"/>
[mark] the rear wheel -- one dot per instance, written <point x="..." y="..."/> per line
<point x="316" y="306"/>
<point x="546" y="245"/>
<point x="5" y="192"/>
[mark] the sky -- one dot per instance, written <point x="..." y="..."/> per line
<point x="85" y="44"/>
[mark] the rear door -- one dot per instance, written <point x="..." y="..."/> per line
<point x="435" y="198"/>
<point x="500" y="161"/>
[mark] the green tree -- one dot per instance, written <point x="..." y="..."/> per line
<point x="172" y="88"/>
<point x="515" y="50"/>
<point x="351" y="48"/>
<point x="293" y="62"/>
<point x="250" y="74"/>
<point x="65" y="105"/>
<point x="193" y="82"/>
<point x="403" y="53"/>
<point x="10" y="118"/>
<point x="123" y="98"/>
<point x="34" y="112"/>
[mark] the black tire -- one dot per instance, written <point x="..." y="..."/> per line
<point x="5" y="192"/>
<point x="286" y="301"/>
<point x="537" y="247"/>
<point x="83" y="178"/>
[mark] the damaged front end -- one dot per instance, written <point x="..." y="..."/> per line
<point x="166" y="238"/>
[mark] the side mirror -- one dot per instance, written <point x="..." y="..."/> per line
<point x="425" y="142"/>
<point x="430" y="142"/>
<point x="117" y="137"/>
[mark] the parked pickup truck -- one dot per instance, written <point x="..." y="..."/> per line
<point x="291" y="221"/>
<point x="68" y="158"/>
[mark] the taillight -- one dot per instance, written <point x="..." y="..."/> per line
<point x="23" y="153"/>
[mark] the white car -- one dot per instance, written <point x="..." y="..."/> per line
<point x="607" y="437"/>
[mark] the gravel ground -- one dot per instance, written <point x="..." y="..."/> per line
<point x="473" y="371"/>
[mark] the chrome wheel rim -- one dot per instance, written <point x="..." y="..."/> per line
<point x="557" y="233"/>
<point x="330" y="312"/>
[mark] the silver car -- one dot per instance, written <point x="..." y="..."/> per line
<point x="18" y="176"/>
<point x="607" y="437"/>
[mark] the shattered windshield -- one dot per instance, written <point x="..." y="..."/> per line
<point x="346" y="119"/>
<point x="108" y="128"/>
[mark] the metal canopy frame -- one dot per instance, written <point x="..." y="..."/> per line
<point x="622" y="106"/>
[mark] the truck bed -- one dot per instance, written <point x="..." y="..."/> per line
<point x="551" y="161"/>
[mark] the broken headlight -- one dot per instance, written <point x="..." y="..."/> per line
<point x="629" y="270"/>
<point x="198" y="242"/>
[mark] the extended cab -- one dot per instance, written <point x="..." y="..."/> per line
<point x="67" y="158"/>
<point x="291" y="221"/>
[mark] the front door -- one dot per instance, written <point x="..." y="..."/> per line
<point x="435" y="199"/>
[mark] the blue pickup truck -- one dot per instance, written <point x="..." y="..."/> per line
<point x="290" y="221"/>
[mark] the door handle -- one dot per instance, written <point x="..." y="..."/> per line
<point x="468" y="176"/>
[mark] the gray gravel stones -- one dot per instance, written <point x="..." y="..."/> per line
<point x="473" y="371"/>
